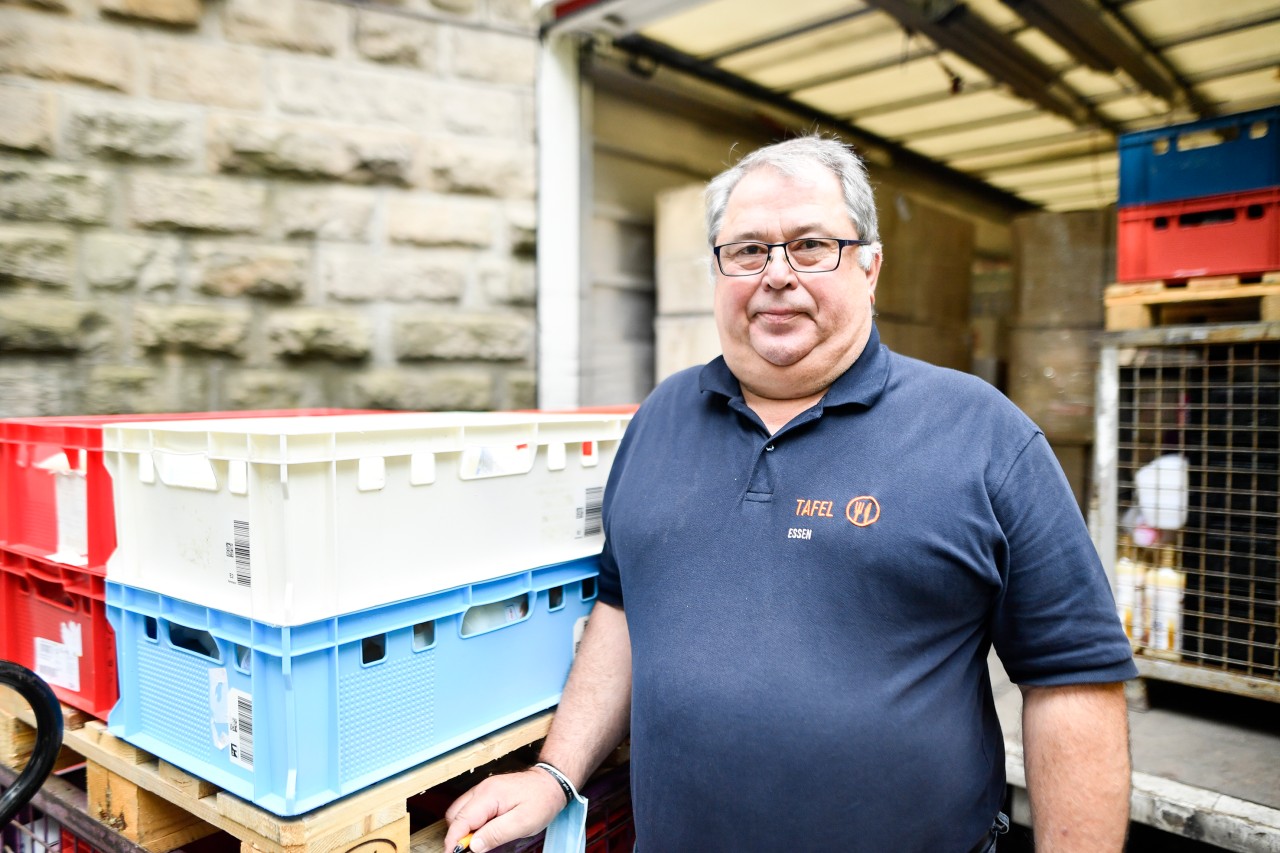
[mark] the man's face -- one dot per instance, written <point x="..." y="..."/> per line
<point x="786" y="334"/>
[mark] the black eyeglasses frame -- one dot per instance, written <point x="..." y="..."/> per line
<point x="843" y="241"/>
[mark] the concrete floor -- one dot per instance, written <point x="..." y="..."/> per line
<point x="1206" y="764"/>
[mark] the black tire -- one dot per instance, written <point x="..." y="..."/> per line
<point x="48" y="715"/>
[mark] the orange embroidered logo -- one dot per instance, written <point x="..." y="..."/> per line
<point x="862" y="511"/>
<point x="821" y="509"/>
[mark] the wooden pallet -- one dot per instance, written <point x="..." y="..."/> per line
<point x="161" y="807"/>
<point x="1211" y="299"/>
<point x="18" y="738"/>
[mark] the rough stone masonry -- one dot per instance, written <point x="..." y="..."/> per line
<point x="231" y="204"/>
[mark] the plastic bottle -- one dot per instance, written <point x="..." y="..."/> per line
<point x="1129" y="588"/>
<point x="1165" y="587"/>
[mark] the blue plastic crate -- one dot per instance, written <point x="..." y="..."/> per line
<point x="294" y="717"/>
<point x="1228" y="154"/>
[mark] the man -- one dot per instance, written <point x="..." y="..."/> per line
<point x="811" y="545"/>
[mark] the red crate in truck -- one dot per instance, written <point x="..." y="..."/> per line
<point x="1235" y="234"/>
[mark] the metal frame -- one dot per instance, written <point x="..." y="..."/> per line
<point x="68" y="805"/>
<point x="1104" y="517"/>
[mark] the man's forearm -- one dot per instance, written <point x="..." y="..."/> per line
<point x="1076" y="752"/>
<point x="595" y="710"/>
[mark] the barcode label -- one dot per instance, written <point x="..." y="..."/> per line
<point x="589" y="515"/>
<point x="241" y="728"/>
<point x="241" y="545"/>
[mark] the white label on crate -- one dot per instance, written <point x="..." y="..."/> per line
<point x="579" y="627"/>
<point x="72" y="637"/>
<point x="589" y="517"/>
<point x="238" y="550"/>
<point x="218" y="708"/>
<point x="58" y="664"/>
<point x="72" y="498"/>
<point x="71" y="507"/>
<point x="240" y="722"/>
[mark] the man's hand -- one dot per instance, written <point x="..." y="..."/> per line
<point x="504" y="808"/>
<point x="591" y="720"/>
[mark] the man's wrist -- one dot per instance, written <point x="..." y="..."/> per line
<point x="570" y="792"/>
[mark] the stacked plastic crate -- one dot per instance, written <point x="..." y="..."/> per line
<point x="304" y="607"/>
<point x="1200" y="199"/>
<point x="57" y="529"/>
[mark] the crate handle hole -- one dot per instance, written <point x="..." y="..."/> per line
<point x="499" y="460"/>
<point x="373" y="649"/>
<point x="1207" y="217"/>
<point x="1254" y="211"/>
<point x="194" y="640"/>
<point x="424" y="635"/>
<point x="185" y="470"/>
<point x="589" y="589"/>
<point x="1161" y="223"/>
<point x="498" y="614"/>
<point x="151" y="628"/>
<point x="243" y="657"/>
<point x="555" y="597"/>
<point x="1207" y="137"/>
<point x="52" y="593"/>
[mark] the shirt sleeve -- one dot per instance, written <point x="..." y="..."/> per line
<point x="1055" y="621"/>
<point x="610" y="584"/>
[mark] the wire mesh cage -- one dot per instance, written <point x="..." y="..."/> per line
<point x="1189" y="477"/>
<point x="33" y="831"/>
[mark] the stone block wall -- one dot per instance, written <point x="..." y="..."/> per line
<point x="230" y="204"/>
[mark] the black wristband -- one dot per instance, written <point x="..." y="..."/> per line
<point x="570" y="794"/>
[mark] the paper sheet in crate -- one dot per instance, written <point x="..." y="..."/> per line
<point x="294" y="717"/>
<point x="290" y="521"/>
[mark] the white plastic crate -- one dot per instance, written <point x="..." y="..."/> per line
<point x="286" y="521"/>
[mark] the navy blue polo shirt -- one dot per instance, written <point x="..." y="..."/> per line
<point x="810" y="612"/>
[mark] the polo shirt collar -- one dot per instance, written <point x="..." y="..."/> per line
<point x="862" y="384"/>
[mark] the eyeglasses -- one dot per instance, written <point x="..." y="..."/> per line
<point x="805" y="254"/>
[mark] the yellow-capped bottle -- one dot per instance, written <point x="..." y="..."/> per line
<point x="1129" y="582"/>
<point x="1165" y="585"/>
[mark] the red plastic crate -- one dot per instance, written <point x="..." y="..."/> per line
<point x="1233" y="234"/>
<point x="72" y="843"/>
<point x="55" y="624"/>
<point x="30" y="450"/>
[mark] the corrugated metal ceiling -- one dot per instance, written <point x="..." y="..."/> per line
<point x="1027" y="96"/>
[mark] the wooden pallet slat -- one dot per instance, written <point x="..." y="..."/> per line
<point x="1211" y="299"/>
<point x="145" y="818"/>
<point x="18" y="735"/>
